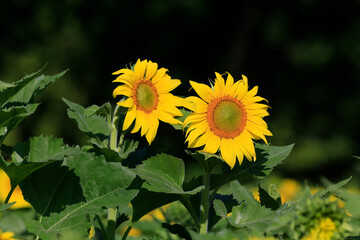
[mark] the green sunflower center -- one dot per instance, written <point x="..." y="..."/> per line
<point x="146" y="97"/>
<point x="226" y="117"/>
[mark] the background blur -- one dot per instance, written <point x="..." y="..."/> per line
<point x="304" y="55"/>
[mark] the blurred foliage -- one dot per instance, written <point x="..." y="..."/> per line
<point x="303" y="54"/>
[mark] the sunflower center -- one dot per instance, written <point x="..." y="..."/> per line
<point x="145" y="95"/>
<point x="226" y="117"/>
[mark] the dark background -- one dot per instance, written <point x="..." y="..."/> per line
<point x="304" y="55"/>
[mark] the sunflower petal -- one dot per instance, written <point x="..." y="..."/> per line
<point x="127" y="103"/>
<point x="139" y="69"/>
<point x="228" y="151"/>
<point x="151" y="70"/>
<point x="204" y="91"/>
<point x="129" y="118"/>
<point x="212" y="145"/>
<point x="122" y="90"/>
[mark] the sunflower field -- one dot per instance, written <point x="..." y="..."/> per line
<point x="169" y="120"/>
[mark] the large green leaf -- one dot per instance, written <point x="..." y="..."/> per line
<point x="164" y="173"/>
<point x="50" y="188"/>
<point x="268" y="157"/>
<point x="93" y="125"/>
<point x="37" y="153"/>
<point x="105" y="187"/>
<point x="146" y="202"/>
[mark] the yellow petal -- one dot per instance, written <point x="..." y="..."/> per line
<point x="212" y="145"/>
<point x="127" y="103"/>
<point x="159" y="75"/>
<point x="164" y="107"/>
<point x="194" y="134"/>
<point x="139" y="69"/>
<point x="229" y="82"/>
<point x="166" y="117"/>
<point x="228" y="152"/>
<point x="151" y="69"/>
<point x="129" y="118"/>
<point x="194" y="117"/>
<point x="219" y="85"/>
<point x="153" y="127"/>
<point x="200" y="141"/>
<point x="199" y="105"/>
<point x="124" y="71"/>
<point x="167" y="84"/>
<point x="122" y="90"/>
<point x="202" y="90"/>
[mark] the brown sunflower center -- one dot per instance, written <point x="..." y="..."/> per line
<point x="146" y="97"/>
<point x="226" y="117"/>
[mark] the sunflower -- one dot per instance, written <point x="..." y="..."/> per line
<point x="16" y="196"/>
<point x="227" y="117"/>
<point x="149" y="100"/>
<point x="7" y="235"/>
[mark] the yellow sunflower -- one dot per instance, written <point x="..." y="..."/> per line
<point x="7" y="235"/>
<point x="149" y="100"/>
<point x="16" y="196"/>
<point x="227" y="117"/>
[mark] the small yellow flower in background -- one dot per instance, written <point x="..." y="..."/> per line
<point x="323" y="231"/>
<point x="289" y="189"/>
<point x="7" y="236"/>
<point x="149" y="100"/>
<point x="16" y="195"/>
<point x="227" y="117"/>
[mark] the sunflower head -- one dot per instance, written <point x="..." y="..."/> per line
<point x="146" y="91"/>
<point x="227" y="117"/>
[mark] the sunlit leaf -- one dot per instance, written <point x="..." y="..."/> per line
<point x="93" y="125"/>
<point x="164" y="173"/>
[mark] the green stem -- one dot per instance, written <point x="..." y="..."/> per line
<point x="102" y="227"/>
<point x="126" y="233"/>
<point x="111" y="227"/>
<point x="114" y="130"/>
<point x="185" y="201"/>
<point x="111" y="221"/>
<point x="205" y="202"/>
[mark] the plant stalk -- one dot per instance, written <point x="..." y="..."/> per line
<point x="126" y="233"/>
<point x="205" y="202"/>
<point x="111" y="221"/>
<point x="186" y="203"/>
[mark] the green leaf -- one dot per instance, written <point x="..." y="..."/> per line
<point x="93" y="125"/>
<point x="29" y="157"/>
<point x="331" y="188"/>
<point x="267" y="201"/>
<point x="4" y="207"/>
<point x="249" y="213"/>
<point x="268" y="157"/>
<point x="147" y="201"/>
<point x="12" y="116"/>
<point x="164" y="173"/>
<point x="206" y="160"/>
<point x="19" y="173"/>
<point x="26" y="89"/>
<point x="45" y="148"/>
<point x="50" y="188"/>
<point x="105" y="187"/>
<point x="220" y="208"/>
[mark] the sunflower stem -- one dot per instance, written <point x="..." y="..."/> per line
<point x="111" y="221"/>
<point x="114" y="129"/>
<point x="205" y="201"/>
<point x="186" y="203"/>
